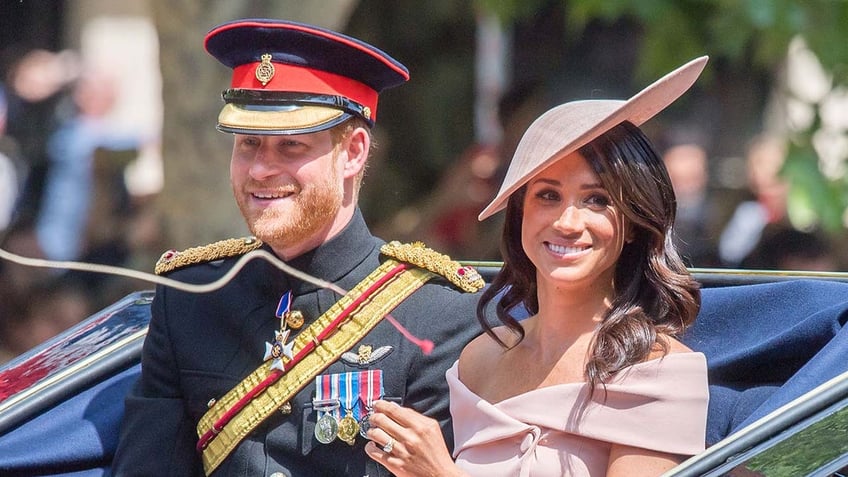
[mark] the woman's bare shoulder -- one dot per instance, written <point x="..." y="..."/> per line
<point x="673" y="345"/>
<point x="676" y="346"/>
<point x="481" y="354"/>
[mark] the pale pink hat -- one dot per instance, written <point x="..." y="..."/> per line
<point x="570" y="126"/>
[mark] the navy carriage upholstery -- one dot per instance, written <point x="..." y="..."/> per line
<point x="767" y="338"/>
<point x="767" y="344"/>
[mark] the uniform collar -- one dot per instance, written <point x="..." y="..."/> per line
<point x="337" y="257"/>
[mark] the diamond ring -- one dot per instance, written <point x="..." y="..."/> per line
<point x="389" y="445"/>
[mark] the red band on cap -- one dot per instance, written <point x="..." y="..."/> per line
<point x="306" y="80"/>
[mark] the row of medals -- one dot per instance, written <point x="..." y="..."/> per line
<point x="329" y="427"/>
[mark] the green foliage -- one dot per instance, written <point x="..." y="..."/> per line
<point x="724" y="28"/>
<point x="814" y="198"/>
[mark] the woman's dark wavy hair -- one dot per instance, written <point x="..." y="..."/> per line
<point x="654" y="293"/>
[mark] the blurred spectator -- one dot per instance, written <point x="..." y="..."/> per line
<point x="72" y="175"/>
<point x="37" y="83"/>
<point x="76" y="205"/>
<point x="784" y="248"/>
<point x="9" y="180"/>
<point x="764" y="160"/>
<point x="18" y="279"/>
<point x="698" y="225"/>
<point x="460" y="194"/>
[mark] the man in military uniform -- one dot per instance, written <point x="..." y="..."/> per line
<point x="272" y="374"/>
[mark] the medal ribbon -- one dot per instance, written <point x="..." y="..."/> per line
<point x="217" y="425"/>
<point x="285" y="305"/>
<point x="370" y="390"/>
<point x="335" y="391"/>
<point x="326" y="390"/>
<point x="350" y="394"/>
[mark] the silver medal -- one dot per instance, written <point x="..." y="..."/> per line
<point x="364" y="425"/>
<point x="326" y="429"/>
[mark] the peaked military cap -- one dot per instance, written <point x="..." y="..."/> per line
<point x="294" y="78"/>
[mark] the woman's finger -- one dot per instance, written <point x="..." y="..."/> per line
<point x="382" y="449"/>
<point x="377" y="435"/>
<point x="385" y="422"/>
<point x="403" y="416"/>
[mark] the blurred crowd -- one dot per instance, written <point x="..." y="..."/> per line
<point x="748" y="228"/>
<point x="63" y="195"/>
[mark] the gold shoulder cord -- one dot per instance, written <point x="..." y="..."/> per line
<point x="466" y="278"/>
<point x="173" y="259"/>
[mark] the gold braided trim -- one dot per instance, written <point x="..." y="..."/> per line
<point x="357" y="325"/>
<point x="173" y="259"/>
<point x="466" y="278"/>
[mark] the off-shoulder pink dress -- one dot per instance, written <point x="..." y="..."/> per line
<point x="659" y="405"/>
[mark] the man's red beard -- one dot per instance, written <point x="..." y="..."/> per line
<point x="311" y="210"/>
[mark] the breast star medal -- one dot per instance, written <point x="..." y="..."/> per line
<point x="279" y="348"/>
<point x="276" y="350"/>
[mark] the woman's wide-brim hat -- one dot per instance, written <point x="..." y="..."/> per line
<point x="570" y="126"/>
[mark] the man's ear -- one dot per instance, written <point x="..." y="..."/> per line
<point x="357" y="147"/>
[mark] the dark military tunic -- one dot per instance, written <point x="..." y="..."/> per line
<point x="199" y="346"/>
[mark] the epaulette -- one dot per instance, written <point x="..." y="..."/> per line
<point x="173" y="259"/>
<point x="465" y="277"/>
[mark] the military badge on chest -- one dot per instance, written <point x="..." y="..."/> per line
<point x="289" y="320"/>
<point x="365" y="356"/>
<point x="344" y="402"/>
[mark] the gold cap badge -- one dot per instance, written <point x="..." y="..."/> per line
<point x="265" y="70"/>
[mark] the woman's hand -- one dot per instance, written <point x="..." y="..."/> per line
<point x="408" y="443"/>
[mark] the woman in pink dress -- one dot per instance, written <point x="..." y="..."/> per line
<point x="594" y="382"/>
